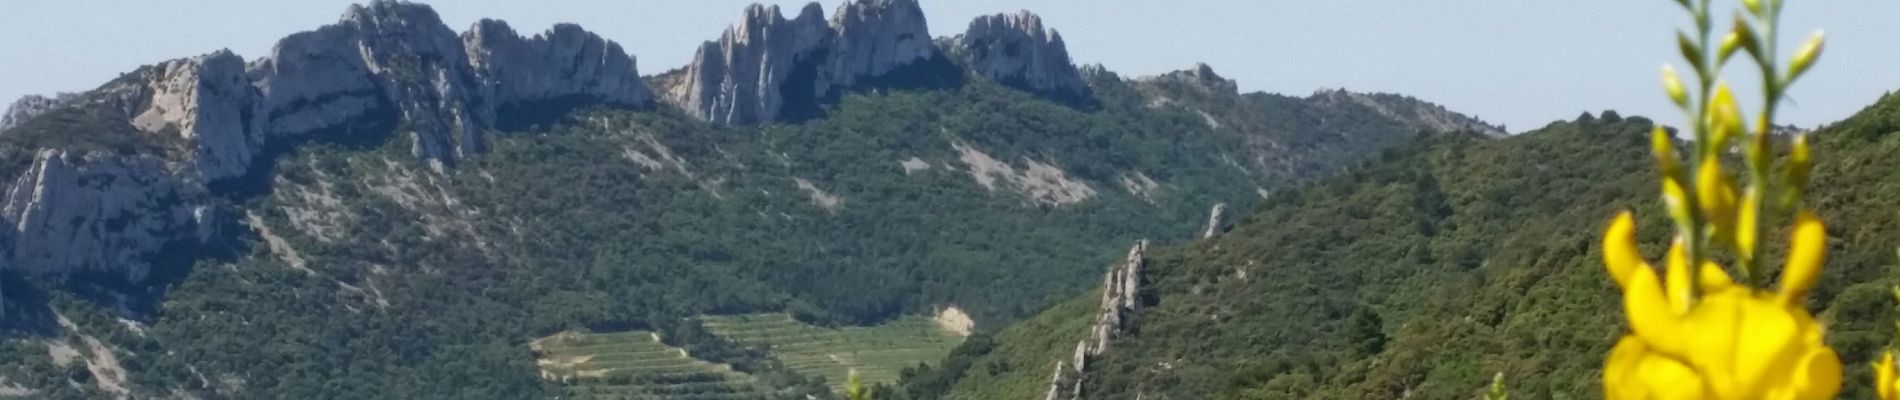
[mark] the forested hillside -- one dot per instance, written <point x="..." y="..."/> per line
<point x="354" y="271"/>
<point x="1430" y="269"/>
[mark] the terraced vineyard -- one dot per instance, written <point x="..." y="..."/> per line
<point x="635" y="365"/>
<point x="878" y="353"/>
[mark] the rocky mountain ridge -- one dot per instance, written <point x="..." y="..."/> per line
<point x="1017" y="50"/>
<point x="768" y="68"/>
<point x="380" y="63"/>
<point x="394" y="65"/>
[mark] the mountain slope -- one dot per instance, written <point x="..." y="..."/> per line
<point x="368" y="214"/>
<point x="1426" y="271"/>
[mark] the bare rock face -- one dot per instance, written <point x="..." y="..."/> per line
<point x="78" y="210"/>
<point x="208" y="102"/>
<point x="314" y="81"/>
<point x="765" y="66"/>
<point x="1202" y="78"/>
<point x="1121" y="296"/>
<point x="1214" y="220"/>
<point x="94" y="213"/>
<point x="398" y="57"/>
<point x="422" y="69"/>
<point x="29" y="106"/>
<point x="876" y="37"/>
<point x="566" y="62"/>
<point x="1016" y="50"/>
<point x="740" y="78"/>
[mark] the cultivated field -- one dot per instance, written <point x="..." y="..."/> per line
<point x="878" y="353"/>
<point x="635" y="365"/>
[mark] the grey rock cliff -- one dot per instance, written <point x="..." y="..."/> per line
<point x="78" y="210"/>
<point x="29" y="106"/>
<point x="422" y="68"/>
<point x="1214" y="220"/>
<point x="1016" y="50"/>
<point x="872" y="38"/>
<point x="94" y="213"/>
<point x="315" y="81"/>
<point x="1121" y="296"/>
<point x="765" y="62"/>
<point x="207" y="102"/>
<point x="739" y="79"/>
<point x="564" y="62"/>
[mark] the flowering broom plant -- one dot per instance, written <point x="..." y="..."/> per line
<point x="1696" y="332"/>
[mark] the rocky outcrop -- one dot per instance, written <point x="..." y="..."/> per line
<point x="566" y="62"/>
<point x="1201" y="78"/>
<point x="768" y="68"/>
<point x="1016" y="50"/>
<point x="207" y="102"/>
<point x="1214" y="220"/>
<point x="29" y="106"/>
<point x="1425" y="116"/>
<point x="741" y="78"/>
<point x="423" y="71"/>
<point x="1121" y="297"/>
<point x="872" y="38"/>
<point x="315" y="81"/>
<point x="397" y="57"/>
<point x="85" y="210"/>
<point x="98" y="213"/>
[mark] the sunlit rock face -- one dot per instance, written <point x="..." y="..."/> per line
<point x="566" y="62"/>
<point x="29" y="106"/>
<point x="98" y="213"/>
<point x="765" y="66"/>
<point x="200" y="121"/>
<point x="1018" y="51"/>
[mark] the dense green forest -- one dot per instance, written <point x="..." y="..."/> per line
<point x="1430" y="269"/>
<point x="359" y="273"/>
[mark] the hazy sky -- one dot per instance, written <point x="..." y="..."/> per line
<point x="1520" y="63"/>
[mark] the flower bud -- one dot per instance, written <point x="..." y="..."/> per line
<point x="1662" y="146"/>
<point x="1724" y="120"/>
<point x="1690" y="51"/>
<point x="1716" y="196"/>
<point x="1730" y="42"/>
<point x="1805" y="56"/>
<point x="1800" y="163"/>
<point x="1673" y="85"/>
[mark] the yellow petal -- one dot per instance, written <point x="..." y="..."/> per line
<point x="1650" y="315"/>
<point x="1712" y="326"/>
<point x="1676" y="279"/>
<point x="1620" y="379"/>
<point x="1666" y="379"/>
<point x="1712" y="279"/>
<point x="1619" y="249"/>
<point x="1805" y="256"/>
<point x="1819" y="376"/>
<point x="1768" y="349"/>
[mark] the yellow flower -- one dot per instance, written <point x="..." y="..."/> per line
<point x="1884" y="378"/>
<point x="1727" y="342"/>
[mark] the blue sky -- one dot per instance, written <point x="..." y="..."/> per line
<point x="1520" y="63"/>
